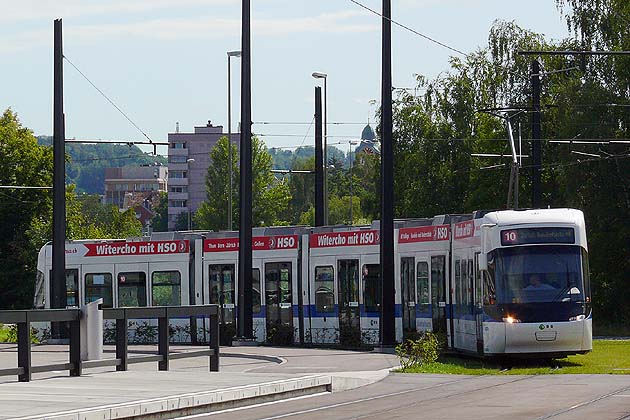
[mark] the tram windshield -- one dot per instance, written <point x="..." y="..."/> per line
<point x="539" y="274"/>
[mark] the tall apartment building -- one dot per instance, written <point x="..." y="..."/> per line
<point x="188" y="162"/>
<point x="133" y="183"/>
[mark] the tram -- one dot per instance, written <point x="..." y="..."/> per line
<point x="511" y="282"/>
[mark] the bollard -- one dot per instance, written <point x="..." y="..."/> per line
<point x="92" y="331"/>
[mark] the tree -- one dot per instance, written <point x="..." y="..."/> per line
<point x="160" y="213"/>
<point x="436" y="133"/>
<point x="22" y="163"/>
<point x="270" y="195"/>
<point x="301" y="188"/>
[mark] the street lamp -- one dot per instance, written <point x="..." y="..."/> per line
<point x="188" y="162"/>
<point x="230" y="54"/>
<point x="320" y="75"/>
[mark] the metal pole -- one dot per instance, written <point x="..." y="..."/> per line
<point x="388" y="322"/>
<point x="245" y="320"/>
<point x="536" y="145"/>
<point x="351" y="193"/>
<point x="325" y="153"/>
<point x="319" y="160"/>
<point x="229" y="217"/>
<point x="59" y="183"/>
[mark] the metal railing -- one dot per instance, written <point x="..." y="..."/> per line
<point x="75" y="366"/>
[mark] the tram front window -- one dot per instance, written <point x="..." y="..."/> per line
<point x="548" y="281"/>
<point x="538" y="274"/>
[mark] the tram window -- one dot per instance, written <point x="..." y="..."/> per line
<point x="489" y="285"/>
<point x="348" y="281"/>
<point x="256" y="290"/>
<point x="422" y="286"/>
<point x="324" y="286"/>
<point x="72" y="287"/>
<point x="586" y="275"/>
<point x="132" y="289"/>
<point x="40" y="291"/>
<point x="458" y="286"/>
<point x="166" y="287"/>
<point x="469" y="288"/>
<point x="97" y="286"/>
<point x="438" y="279"/>
<point x="371" y="287"/>
<point x="285" y="284"/>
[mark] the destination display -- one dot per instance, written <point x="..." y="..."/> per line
<point x="135" y="248"/>
<point x="354" y="238"/>
<point x="542" y="235"/>
<point x="259" y="243"/>
<point x="423" y="234"/>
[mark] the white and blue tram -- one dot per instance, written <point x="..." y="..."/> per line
<point x="495" y="283"/>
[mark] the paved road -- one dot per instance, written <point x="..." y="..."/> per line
<point x="402" y="396"/>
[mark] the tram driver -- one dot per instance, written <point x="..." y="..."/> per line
<point x="536" y="284"/>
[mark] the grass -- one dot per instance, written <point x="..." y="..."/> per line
<point x="607" y="357"/>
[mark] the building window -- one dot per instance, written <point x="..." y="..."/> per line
<point x="178" y="145"/>
<point x="177" y="203"/>
<point x="179" y="174"/>
<point x="179" y="189"/>
<point x="177" y="159"/>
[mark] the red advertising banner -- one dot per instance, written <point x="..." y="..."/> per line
<point x="464" y="230"/>
<point x="423" y="234"/>
<point x="259" y="243"/>
<point x="137" y="248"/>
<point x="333" y="239"/>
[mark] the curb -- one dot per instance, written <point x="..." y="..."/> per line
<point x="197" y="403"/>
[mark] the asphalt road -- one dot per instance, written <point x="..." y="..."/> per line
<point x="407" y="396"/>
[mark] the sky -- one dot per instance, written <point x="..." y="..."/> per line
<point x="165" y="61"/>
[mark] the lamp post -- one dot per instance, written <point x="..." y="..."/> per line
<point x="230" y="54"/>
<point x="188" y="162"/>
<point x="324" y="76"/>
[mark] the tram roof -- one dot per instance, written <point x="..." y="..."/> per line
<point x="512" y="217"/>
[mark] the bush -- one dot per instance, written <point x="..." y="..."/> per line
<point x="280" y="334"/>
<point x="414" y="353"/>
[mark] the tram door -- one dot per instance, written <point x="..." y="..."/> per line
<point x="438" y="293"/>
<point x="478" y="304"/>
<point x="348" y="290"/>
<point x="278" y="298"/>
<point x="407" y="276"/>
<point x="221" y="278"/>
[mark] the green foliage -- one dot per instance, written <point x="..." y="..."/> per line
<point x="87" y="218"/>
<point x="87" y="162"/>
<point x="436" y="132"/>
<point x="270" y="195"/>
<point x="9" y="334"/>
<point x="185" y="221"/>
<point x="24" y="163"/>
<point x="421" y="352"/>
<point x="607" y="357"/>
<point x="160" y="217"/>
<point x="280" y="334"/>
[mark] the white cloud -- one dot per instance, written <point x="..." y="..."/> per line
<point x="15" y="11"/>
<point x="192" y="28"/>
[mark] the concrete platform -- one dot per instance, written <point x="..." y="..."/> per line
<point x="249" y="375"/>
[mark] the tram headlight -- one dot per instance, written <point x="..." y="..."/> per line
<point x="577" y="318"/>
<point x="511" y="320"/>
